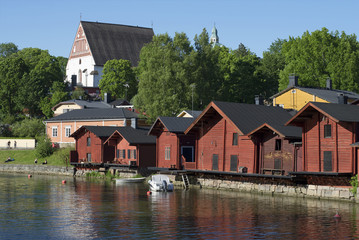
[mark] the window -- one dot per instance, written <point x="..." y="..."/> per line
<point x="278" y="144"/>
<point x="88" y="141"/>
<point x="129" y="154"/>
<point x="327" y="131"/>
<point x="327" y="161"/>
<point x="54" y="131"/>
<point x="117" y="153"/>
<point x="277" y="163"/>
<point x="88" y="157"/>
<point x="235" y="139"/>
<point x="123" y="153"/>
<point x="67" y="131"/>
<point x="215" y="162"/>
<point x="133" y="152"/>
<point x="234" y="163"/>
<point x="167" y="153"/>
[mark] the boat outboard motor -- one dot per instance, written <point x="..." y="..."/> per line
<point x="165" y="185"/>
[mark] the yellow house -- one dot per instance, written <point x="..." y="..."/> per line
<point x="296" y="97"/>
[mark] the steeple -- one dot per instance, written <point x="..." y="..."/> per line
<point x="214" y="36"/>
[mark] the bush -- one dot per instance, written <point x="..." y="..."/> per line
<point x="29" y="127"/>
<point x="44" y="147"/>
<point x="354" y="183"/>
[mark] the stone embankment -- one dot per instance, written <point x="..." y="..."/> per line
<point x="37" y="169"/>
<point x="310" y="191"/>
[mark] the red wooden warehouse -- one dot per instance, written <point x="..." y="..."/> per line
<point x="328" y="132"/>
<point x="222" y="141"/>
<point x="133" y="147"/>
<point x="174" y="149"/>
<point x="278" y="148"/>
<point x="90" y="147"/>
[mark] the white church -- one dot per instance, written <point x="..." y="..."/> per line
<point x="95" y="43"/>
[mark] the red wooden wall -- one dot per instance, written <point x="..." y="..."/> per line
<point x="95" y="149"/>
<point x="215" y="137"/>
<point x="343" y="155"/>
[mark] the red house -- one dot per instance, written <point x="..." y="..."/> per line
<point x="222" y="142"/>
<point x="90" y="147"/>
<point x="328" y="131"/>
<point x="174" y="149"/>
<point x="278" y="148"/>
<point x="101" y="146"/>
<point x="133" y="147"/>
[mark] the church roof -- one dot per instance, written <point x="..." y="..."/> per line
<point x="114" y="41"/>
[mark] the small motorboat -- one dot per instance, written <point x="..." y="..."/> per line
<point x="160" y="183"/>
<point x="130" y="180"/>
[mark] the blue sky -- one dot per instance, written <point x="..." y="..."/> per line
<point x="52" y="25"/>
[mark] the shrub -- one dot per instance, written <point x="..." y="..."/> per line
<point x="44" y="147"/>
<point x="354" y="183"/>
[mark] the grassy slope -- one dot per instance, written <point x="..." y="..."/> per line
<point x="28" y="157"/>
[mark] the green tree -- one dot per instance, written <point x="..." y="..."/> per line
<point x="12" y="70"/>
<point x="272" y="63"/>
<point x="319" y="55"/>
<point x="164" y="87"/>
<point x="119" y="79"/>
<point x="29" y="127"/>
<point x="6" y="49"/>
<point x="57" y="94"/>
<point x="78" y="93"/>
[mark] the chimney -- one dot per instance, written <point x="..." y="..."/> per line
<point x="134" y="123"/>
<point x="342" y="99"/>
<point x="293" y="81"/>
<point x="258" y="100"/>
<point x="107" y="97"/>
<point x="329" y="84"/>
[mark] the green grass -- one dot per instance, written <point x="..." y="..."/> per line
<point x="58" y="158"/>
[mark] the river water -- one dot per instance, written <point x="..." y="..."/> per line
<point x="42" y="207"/>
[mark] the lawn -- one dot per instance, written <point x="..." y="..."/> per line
<point x="58" y="158"/>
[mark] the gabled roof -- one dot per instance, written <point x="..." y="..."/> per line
<point x="330" y="95"/>
<point x="120" y="102"/>
<point x="84" y="104"/>
<point x="337" y="112"/>
<point x="172" y="124"/>
<point x="193" y="113"/>
<point x="134" y="136"/>
<point x="94" y="114"/>
<point x="245" y="117"/>
<point x="283" y="131"/>
<point x="113" y="41"/>
<point x="100" y="131"/>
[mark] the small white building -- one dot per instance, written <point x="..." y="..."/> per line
<point x="95" y="43"/>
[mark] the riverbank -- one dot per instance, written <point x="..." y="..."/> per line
<point x="305" y="191"/>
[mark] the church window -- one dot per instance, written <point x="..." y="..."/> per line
<point x="80" y="61"/>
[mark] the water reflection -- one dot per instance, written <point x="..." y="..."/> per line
<point x="44" y="208"/>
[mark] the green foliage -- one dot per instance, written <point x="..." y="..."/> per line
<point x="57" y="94"/>
<point x="6" y="49"/>
<point x="354" y="184"/>
<point x="29" y="127"/>
<point x="319" y="55"/>
<point x="78" y="93"/>
<point x="96" y="174"/>
<point x="44" y="147"/>
<point x="119" y="79"/>
<point x="63" y="154"/>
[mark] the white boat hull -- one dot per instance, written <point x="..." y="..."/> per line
<point x="160" y="183"/>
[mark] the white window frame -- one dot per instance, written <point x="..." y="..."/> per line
<point x="167" y="153"/>
<point x="55" y="130"/>
<point x="67" y="131"/>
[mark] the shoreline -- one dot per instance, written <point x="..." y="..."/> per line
<point x="305" y="191"/>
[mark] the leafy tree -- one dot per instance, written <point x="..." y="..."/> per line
<point x="29" y="127"/>
<point x="119" y="79"/>
<point x="164" y="87"/>
<point x="319" y="55"/>
<point x="6" y="49"/>
<point x="78" y="93"/>
<point x="12" y="71"/>
<point x="272" y="63"/>
<point x="57" y="94"/>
